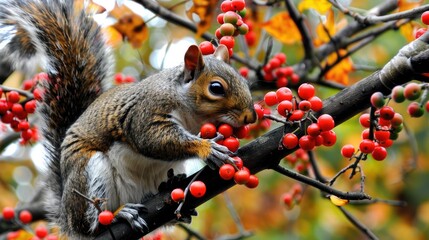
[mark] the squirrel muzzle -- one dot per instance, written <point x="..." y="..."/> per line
<point x="248" y="116"/>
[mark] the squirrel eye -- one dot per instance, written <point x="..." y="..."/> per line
<point x="216" y="88"/>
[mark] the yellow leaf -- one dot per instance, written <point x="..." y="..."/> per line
<point x="338" y="201"/>
<point x="204" y="9"/>
<point x="319" y="5"/>
<point x="282" y="28"/>
<point x="324" y="30"/>
<point x="408" y="31"/>
<point x="404" y="5"/>
<point x="114" y="37"/>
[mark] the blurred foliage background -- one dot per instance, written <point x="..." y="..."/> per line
<point x="402" y="176"/>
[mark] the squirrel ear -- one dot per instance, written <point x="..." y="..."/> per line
<point x="222" y="53"/>
<point x="193" y="62"/>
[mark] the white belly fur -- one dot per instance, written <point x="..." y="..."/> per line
<point x="124" y="176"/>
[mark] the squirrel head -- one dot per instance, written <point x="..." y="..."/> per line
<point x="216" y="91"/>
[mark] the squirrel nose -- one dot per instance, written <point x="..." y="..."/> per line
<point x="249" y="116"/>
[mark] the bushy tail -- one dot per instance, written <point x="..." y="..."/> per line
<point x="70" y="47"/>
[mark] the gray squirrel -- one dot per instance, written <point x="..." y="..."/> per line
<point x="115" y="143"/>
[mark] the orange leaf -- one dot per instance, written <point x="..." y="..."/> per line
<point x="408" y="31"/>
<point x="130" y="25"/>
<point x="204" y="9"/>
<point x="282" y="28"/>
<point x="338" y="201"/>
<point x="340" y="72"/>
<point x="114" y="38"/>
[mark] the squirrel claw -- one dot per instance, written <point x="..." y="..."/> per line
<point x="130" y="213"/>
<point x="219" y="156"/>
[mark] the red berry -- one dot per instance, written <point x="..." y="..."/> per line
<point x="284" y="93"/>
<point x="290" y="140"/>
<point x="425" y="18"/>
<point x="220" y="18"/>
<point x="242" y="132"/>
<point x="13" y="235"/>
<point x="306" y="91"/>
<point x="366" y="146"/>
<point x="387" y="112"/>
<point x="197" y="189"/>
<point x="364" y="120"/>
<point x="225" y="129"/>
<point x="177" y="195"/>
<point x="218" y="34"/>
<point x="313" y="130"/>
<point x="238" y="5"/>
<point x="329" y="138"/>
<point x="250" y="38"/>
<point x="27" y="84"/>
<point x="253" y="182"/>
<point x="296" y="115"/>
<point x="226" y="171"/>
<point x="281" y="57"/>
<point x="304" y="105"/>
<point x="415" y="110"/>
<point x="288" y="199"/>
<point x="129" y="79"/>
<point x="347" y="151"/>
<point x="281" y="82"/>
<point x="105" y="217"/>
<point x="228" y="41"/>
<point x="17" y="108"/>
<point x="24" y="125"/>
<point x="13" y="97"/>
<point x="326" y="122"/>
<point x="30" y="106"/>
<point x="206" y="48"/>
<point x="382" y="135"/>
<point x="230" y="17"/>
<point x="3" y="106"/>
<point x="231" y="143"/>
<point x="294" y="78"/>
<point x="27" y="134"/>
<point x="427" y="106"/>
<point x="307" y="143"/>
<point x="227" y="29"/>
<point x="316" y="103"/>
<point x="8" y="213"/>
<point x="398" y="94"/>
<point x="41" y="231"/>
<point x="270" y="98"/>
<point x="242" y="176"/>
<point x="259" y="110"/>
<point x="377" y="100"/>
<point x="420" y="32"/>
<point x="244" y="71"/>
<point x="238" y="162"/>
<point x="379" y="153"/>
<point x="275" y="63"/>
<point x="25" y="216"/>
<point x="365" y="134"/>
<point x="226" y="6"/>
<point x="412" y="91"/>
<point x="284" y="107"/>
<point x="7" y="117"/>
<point x="386" y="143"/>
<point x="208" y="130"/>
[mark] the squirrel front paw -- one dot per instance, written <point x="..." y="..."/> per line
<point x="218" y="156"/>
<point x="130" y="213"/>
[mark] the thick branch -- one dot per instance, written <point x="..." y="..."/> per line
<point x="263" y="153"/>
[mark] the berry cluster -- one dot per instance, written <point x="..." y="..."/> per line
<point x="425" y="20"/>
<point x="292" y="110"/>
<point x="232" y="24"/>
<point x="121" y="79"/>
<point x="299" y="160"/>
<point x="25" y="217"/>
<point x="14" y="110"/>
<point x="275" y="69"/>
<point x="196" y="188"/>
<point x="413" y="92"/>
<point x="293" y="197"/>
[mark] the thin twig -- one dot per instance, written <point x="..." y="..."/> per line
<point x="358" y="224"/>
<point x="321" y="186"/>
<point x="190" y="231"/>
<point x="242" y="231"/>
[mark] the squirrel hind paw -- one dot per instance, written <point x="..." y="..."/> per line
<point x="130" y="213"/>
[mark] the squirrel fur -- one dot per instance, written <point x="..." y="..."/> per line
<point x="115" y="143"/>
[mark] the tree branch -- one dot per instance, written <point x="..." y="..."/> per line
<point x="341" y="107"/>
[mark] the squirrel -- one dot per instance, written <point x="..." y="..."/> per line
<point x="117" y="142"/>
